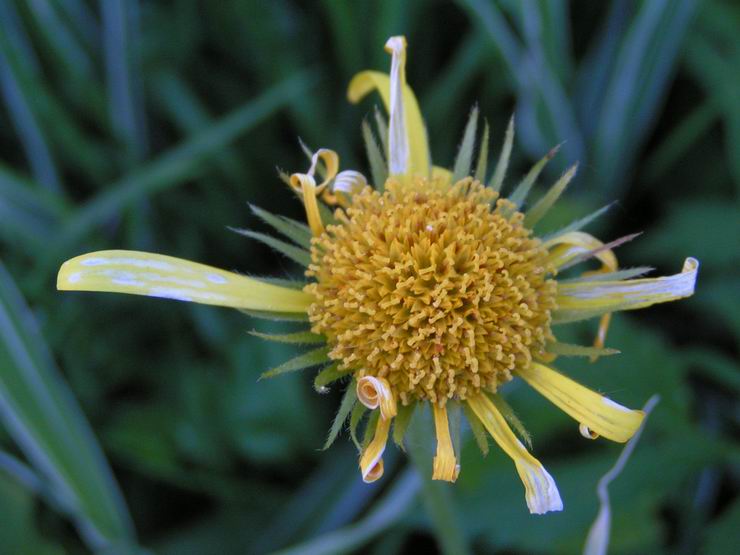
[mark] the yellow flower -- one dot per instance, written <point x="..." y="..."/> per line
<point x="429" y="288"/>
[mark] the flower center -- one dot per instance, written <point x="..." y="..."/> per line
<point x="440" y="290"/>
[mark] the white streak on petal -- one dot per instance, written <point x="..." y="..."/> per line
<point x="216" y="278"/>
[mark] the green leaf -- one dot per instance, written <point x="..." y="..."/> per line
<point x="299" y="337"/>
<point x="465" y="152"/>
<point x="305" y="360"/>
<point x="348" y="403"/>
<point x="370" y="427"/>
<point x="43" y="418"/>
<point x="378" y="167"/>
<point x="503" y="161"/>
<point x="543" y="205"/>
<point x="296" y="254"/>
<point x="296" y="231"/>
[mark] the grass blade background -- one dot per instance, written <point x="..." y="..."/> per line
<point x="45" y="421"/>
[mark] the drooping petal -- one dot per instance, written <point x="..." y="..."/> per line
<point x="376" y="392"/>
<point x="445" y="463"/>
<point x="583" y="300"/>
<point x="371" y="462"/>
<point x="156" y="275"/>
<point x="598" y="413"/>
<point x="541" y="492"/>
<point x="367" y="81"/>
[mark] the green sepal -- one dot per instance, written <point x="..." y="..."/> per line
<point x="282" y="282"/>
<point x="570" y="350"/>
<point x="538" y="211"/>
<point x="276" y="316"/>
<point x="294" y="230"/>
<point x="358" y="411"/>
<point x="401" y="422"/>
<point x="382" y="124"/>
<point x="299" y="337"/>
<point x="349" y="399"/>
<point x="508" y="413"/>
<point x="522" y="190"/>
<point x="378" y="167"/>
<point x="370" y="427"/>
<point x="503" y="160"/>
<point x="296" y="254"/>
<point x="482" y="166"/>
<point x="305" y="360"/>
<point x="579" y="224"/>
<point x="481" y="438"/>
<point x="328" y="375"/>
<point x="464" y="157"/>
<point x="627" y="273"/>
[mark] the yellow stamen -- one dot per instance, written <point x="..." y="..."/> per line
<point x="541" y="493"/>
<point x="376" y="392"/>
<point x="599" y="414"/>
<point x="445" y="464"/>
<point x="371" y="462"/>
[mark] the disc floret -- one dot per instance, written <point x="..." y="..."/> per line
<point x="442" y="291"/>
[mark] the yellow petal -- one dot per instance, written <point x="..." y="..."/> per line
<point x="371" y="462"/>
<point x="306" y="184"/>
<point x="597" y="413"/>
<point x="442" y="175"/>
<point x="367" y="81"/>
<point x="567" y="246"/>
<point x="445" y="463"/>
<point x="156" y="275"/>
<point x="541" y="492"/>
<point x="376" y="392"/>
<point x="582" y="300"/>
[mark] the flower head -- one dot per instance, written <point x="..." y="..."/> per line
<point x="428" y="288"/>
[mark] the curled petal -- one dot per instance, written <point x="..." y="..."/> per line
<point x="376" y="392"/>
<point x="371" y="462"/>
<point x="156" y="275"/>
<point x="568" y="246"/>
<point x="583" y="300"/>
<point x="541" y="492"/>
<point x="306" y="184"/>
<point x="597" y="413"/>
<point x="445" y="463"/>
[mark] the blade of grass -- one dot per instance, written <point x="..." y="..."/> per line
<point x="386" y="512"/>
<point x="125" y="113"/>
<point x="178" y="164"/>
<point x="25" y="122"/>
<point x="43" y="418"/>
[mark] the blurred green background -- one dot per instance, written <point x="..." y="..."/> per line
<point x="151" y="125"/>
